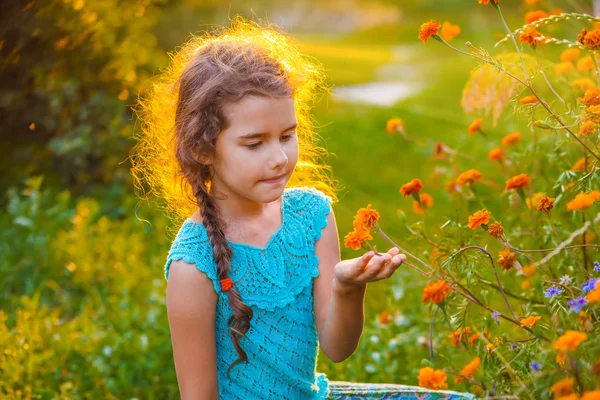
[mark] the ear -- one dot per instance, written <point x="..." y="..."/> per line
<point x="205" y="158"/>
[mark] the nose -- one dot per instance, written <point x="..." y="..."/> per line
<point x="278" y="158"/>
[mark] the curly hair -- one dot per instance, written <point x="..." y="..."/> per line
<point x="182" y="115"/>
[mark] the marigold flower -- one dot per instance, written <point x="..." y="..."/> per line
<point x="468" y="370"/>
<point x="394" y="125"/>
<point x="569" y="341"/>
<point x="511" y="138"/>
<point x="564" y="387"/>
<point x="593" y="296"/>
<point x="356" y="238"/>
<point x="481" y="217"/>
<point x="563" y="68"/>
<point x="590" y="39"/>
<point x="468" y="177"/>
<point x="526" y="284"/>
<point x="579" y="166"/>
<point x="529" y="270"/>
<point x="584" y="84"/>
<point x="487" y="1"/>
<point x="411" y="187"/>
<point x="517" y="182"/>
<point x="426" y="201"/>
<point x="583" y="200"/>
<point x="435" y="292"/>
<point x="365" y="218"/>
<point x="570" y="54"/>
<point x="591" y="97"/>
<point x="545" y="204"/>
<point x="458" y="336"/>
<point x="560" y="358"/>
<point x="475" y="126"/>
<point x="449" y="31"/>
<point x="496" y="230"/>
<point x="530" y="321"/>
<point x="533" y="16"/>
<point x="528" y="100"/>
<point x="384" y="318"/>
<point x="530" y="36"/>
<point x="506" y="259"/>
<point x="496" y="154"/>
<point x="585" y="64"/>
<point x="533" y="200"/>
<point x="432" y="378"/>
<point x="591" y="395"/>
<point x="587" y="127"/>
<point x="451" y="186"/>
<point x="429" y="29"/>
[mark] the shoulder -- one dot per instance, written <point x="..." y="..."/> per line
<point x="304" y="197"/>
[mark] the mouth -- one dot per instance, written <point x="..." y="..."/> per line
<point x="276" y="179"/>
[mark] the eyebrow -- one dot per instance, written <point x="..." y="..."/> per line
<point x="259" y="134"/>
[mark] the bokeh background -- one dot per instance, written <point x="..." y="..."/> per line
<point x="82" y="290"/>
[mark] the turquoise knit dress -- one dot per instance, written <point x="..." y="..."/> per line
<point x="276" y="282"/>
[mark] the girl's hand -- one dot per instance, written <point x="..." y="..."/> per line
<point x="368" y="268"/>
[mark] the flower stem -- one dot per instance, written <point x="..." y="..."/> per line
<point x="497" y="6"/>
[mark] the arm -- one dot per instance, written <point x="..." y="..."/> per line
<point x="339" y="291"/>
<point x="191" y="308"/>
<point x="338" y="310"/>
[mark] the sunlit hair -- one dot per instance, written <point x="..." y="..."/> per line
<point x="181" y="116"/>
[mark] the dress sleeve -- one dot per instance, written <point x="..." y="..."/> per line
<point x="318" y="206"/>
<point x="193" y="246"/>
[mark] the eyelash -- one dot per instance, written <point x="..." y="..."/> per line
<point x="255" y="145"/>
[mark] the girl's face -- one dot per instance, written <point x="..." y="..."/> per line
<point x="259" y="145"/>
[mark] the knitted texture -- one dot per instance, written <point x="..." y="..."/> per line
<point x="276" y="282"/>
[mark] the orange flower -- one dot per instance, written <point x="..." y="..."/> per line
<point x="545" y="204"/>
<point x="569" y="341"/>
<point x="468" y="370"/>
<point x="592" y="395"/>
<point x="585" y="64"/>
<point x="487" y="1"/>
<point x="591" y="97"/>
<point x="475" y="126"/>
<point x="583" y="200"/>
<point x="506" y="259"/>
<point x="458" y="336"/>
<point x="529" y="100"/>
<point x="451" y="186"/>
<point x="426" y="201"/>
<point x="564" y="387"/>
<point x="529" y="270"/>
<point x="450" y="31"/>
<point x="511" y="138"/>
<point x="564" y="68"/>
<point x="530" y="36"/>
<point x="584" y="84"/>
<point x="533" y="200"/>
<point x="385" y="318"/>
<point x="481" y="217"/>
<point x="517" y="182"/>
<point x="436" y="292"/>
<point x="355" y="239"/>
<point x="587" y="127"/>
<point x="530" y="321"/>
<point x="468" y="177"/>
<point x="432" y="378"/>
<point x="533" y="16"/>
<point x="496" y="229"/>
<point x="593" y="295"/>
<point x="411" y="187"/>
<point x="579" y="166"/>
<point x="560" y="358"/>
<point x="429" y="29"/>
<point x="394" y="125"/>
<point x="365" y="218"/>
<point x="570" y="54"/>
<point x="590" y="39"/>
<point x="496" y="154"/>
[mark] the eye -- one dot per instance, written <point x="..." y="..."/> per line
<point x="288" y="137"/>
<point x="253" y="145"/>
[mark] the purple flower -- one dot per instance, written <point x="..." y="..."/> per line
<point x="552" y="291"/>
<point x="576" y="304"/>
<point x="596" y="266"/>
<point x="496" y="316"/>
<point x="535" y="366"/>
<point x="565" y="280"/>
<point x="589" y="285"/>
<point x="513" y="346"/>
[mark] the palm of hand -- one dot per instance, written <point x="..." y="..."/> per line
<point x="368" y="268"/>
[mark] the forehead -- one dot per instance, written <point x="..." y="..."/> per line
<point x="259" y="114"/>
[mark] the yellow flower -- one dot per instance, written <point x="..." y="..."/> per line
<point x="585" y="64"/>
<point x="584" y="84"/>
<point x="394" y="125"/>
<point x="570" y="54"/>
<point x="564" y="68"/>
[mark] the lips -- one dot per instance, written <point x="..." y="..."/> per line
<point x="275" y="178"/>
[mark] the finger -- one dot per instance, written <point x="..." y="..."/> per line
<point x="362" y="262"/>
<point x="393" y="251"/>
<point x="392" y="266"/>
<point x="376" y="265"/>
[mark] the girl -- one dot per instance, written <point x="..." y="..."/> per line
<point x="255" y="280"/>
